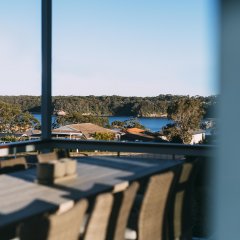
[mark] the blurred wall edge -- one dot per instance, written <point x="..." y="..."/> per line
<point x="226" y="198"/>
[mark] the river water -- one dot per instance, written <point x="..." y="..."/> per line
<point x="153" y="124"/>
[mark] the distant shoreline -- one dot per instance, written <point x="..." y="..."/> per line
<point x="129" y="116"/>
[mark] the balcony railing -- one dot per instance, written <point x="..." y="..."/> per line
<point x="156" y="148"/>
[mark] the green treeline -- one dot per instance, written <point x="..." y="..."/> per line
<point x="109" y="105"/>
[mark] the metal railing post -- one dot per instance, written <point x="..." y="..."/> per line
<point x="46" y="100"/>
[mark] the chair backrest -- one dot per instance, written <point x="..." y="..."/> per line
<point x="12" y="165"/>
<point x="153" y="210"/>
<point x="98" y="221"/>
<point x="46" y="157"/>
<point x="181" y="213"/>
<point x="123" y="203"/>
<point x="56" y="226"/>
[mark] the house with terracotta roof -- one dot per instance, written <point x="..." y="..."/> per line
<point x="80" y="131"/>
<point x="138" y="134"/>
<point x="135" y="130"/>
<point x="32" y="134"/>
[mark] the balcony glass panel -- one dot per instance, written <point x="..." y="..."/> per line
<point x="120" y="65"/>
<point x="20" y="68"/>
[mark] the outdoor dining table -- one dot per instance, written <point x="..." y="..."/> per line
<point x="21" y="197"/>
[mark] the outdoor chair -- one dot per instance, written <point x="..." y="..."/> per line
<point x="46" y="157"/>
<point x="96" y="227"/>
<point x="57" y="226"/>
<point x="12" y="165"/>
<point x="149" y="218"/>
<point x="108" y="219"/>
<point x="123" y="203"/>
<point x="180" y="217"/>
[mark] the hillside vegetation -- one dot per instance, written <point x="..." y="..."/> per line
<point x="109" y="105"/>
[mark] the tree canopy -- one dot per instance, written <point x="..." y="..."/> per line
<point x="76" y="117"/>
<point x="109" y="105"/>
<point x="187" y="113"/>
<point x="104" y="136"/>
<point x="13" y="119"/>
<point x="130" y="123"/>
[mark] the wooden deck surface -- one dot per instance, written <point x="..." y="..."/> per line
<point x="21" y="197"/>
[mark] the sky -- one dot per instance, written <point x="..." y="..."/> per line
<point x="110" y="47"/>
